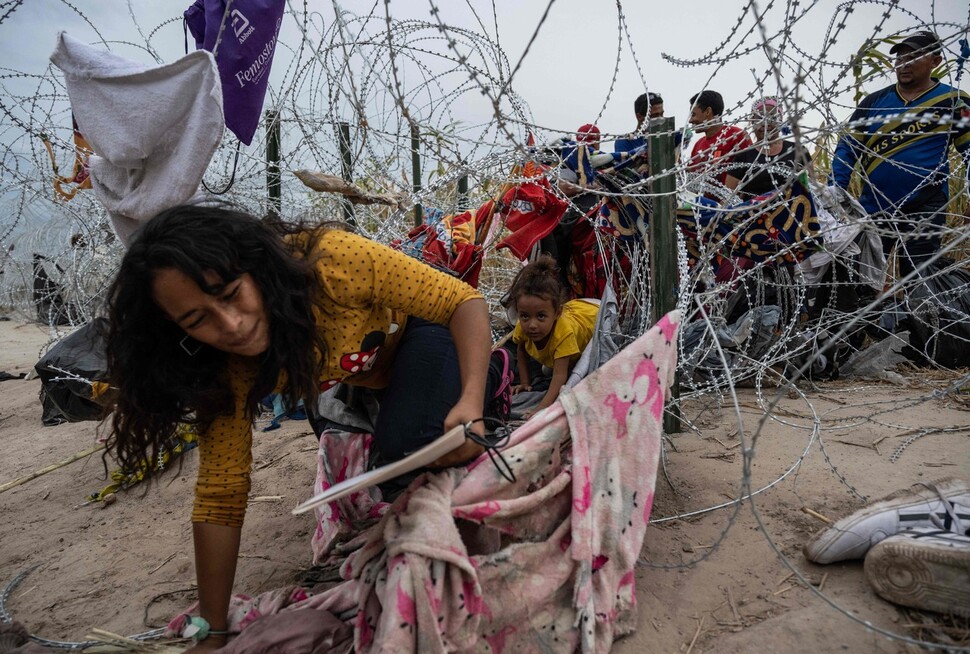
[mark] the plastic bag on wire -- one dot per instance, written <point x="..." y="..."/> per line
<point x="66" y="373"/>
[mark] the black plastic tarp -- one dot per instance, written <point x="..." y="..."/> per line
<point x="939" y="314"/>
<point x="80" y="354"/>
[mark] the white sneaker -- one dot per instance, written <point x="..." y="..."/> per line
<point x="923" y="568"/>
<point x="944" y="504"/>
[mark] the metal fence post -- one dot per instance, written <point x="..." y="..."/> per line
<point x="463" y="193"/>
<point x="416" y="171"/>
<point x="663" y="240"/>
<point x="273" y="181"/>
<point x="346" y="169"/>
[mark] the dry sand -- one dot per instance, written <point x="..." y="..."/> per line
<point x="102" y="567"/>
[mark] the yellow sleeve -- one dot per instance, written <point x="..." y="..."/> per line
<point x="226" y="457"/>
<point x="357" y="272"/>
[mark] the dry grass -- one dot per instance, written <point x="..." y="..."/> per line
<point x="947" y="630"/>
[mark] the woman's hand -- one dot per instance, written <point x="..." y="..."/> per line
<point x="216" y="553"/>
<point x="470" y="330"/>
<point x="461" y="414"/>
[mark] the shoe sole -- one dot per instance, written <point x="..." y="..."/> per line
<point x="816" y="549"/>
<point x="921" y="575"/>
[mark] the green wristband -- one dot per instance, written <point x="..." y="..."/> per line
<point x="198" y="629"/>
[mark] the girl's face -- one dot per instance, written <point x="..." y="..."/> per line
<point x="537" y="315"/>
<point x="234" y="321"/>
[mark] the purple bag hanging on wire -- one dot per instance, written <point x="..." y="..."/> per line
<point x="244" y="54"/>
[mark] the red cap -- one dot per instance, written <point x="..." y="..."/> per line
<point x="588" y="133"/>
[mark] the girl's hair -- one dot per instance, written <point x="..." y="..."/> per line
<point x="539" y="278"/>
<point x="161" y="379"/>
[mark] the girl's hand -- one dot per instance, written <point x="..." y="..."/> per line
<point x="528" y="413"/>
<point x="521" y="388"/>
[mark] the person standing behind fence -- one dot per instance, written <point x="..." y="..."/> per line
<point x="773" y="160"/>
<point x="899" y="138"/>
<point x="713" y="154"/>
<point x="647" y="105"/>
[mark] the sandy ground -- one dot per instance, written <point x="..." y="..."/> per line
<point x="105" y="567"/>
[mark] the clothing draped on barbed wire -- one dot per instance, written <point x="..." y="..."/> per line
<point x="67" y="186"/>
<point x="153" y="129"/>
<point x="782" y="227"/>
<point x="451" y="242"/>
<point x="531" y="210"/>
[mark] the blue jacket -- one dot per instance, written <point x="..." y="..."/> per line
<point x="903" y="152"/>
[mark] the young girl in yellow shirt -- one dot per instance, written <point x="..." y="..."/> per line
<point x="548" y="328"/>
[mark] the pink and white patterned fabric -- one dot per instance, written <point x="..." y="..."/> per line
<point x="343" y="455"/>
<point x="572" y="526"/>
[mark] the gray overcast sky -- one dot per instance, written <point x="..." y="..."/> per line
<point x="566" y="79"/>
<point x="567" y="76"/>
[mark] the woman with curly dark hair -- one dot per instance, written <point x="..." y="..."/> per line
<point x="213" y="309"/>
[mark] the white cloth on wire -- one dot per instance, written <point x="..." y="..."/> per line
<point x="153" y="129"/>
<point x="847" y="231"/>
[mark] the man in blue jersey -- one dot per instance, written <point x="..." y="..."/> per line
<point x="900" y="138"/>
